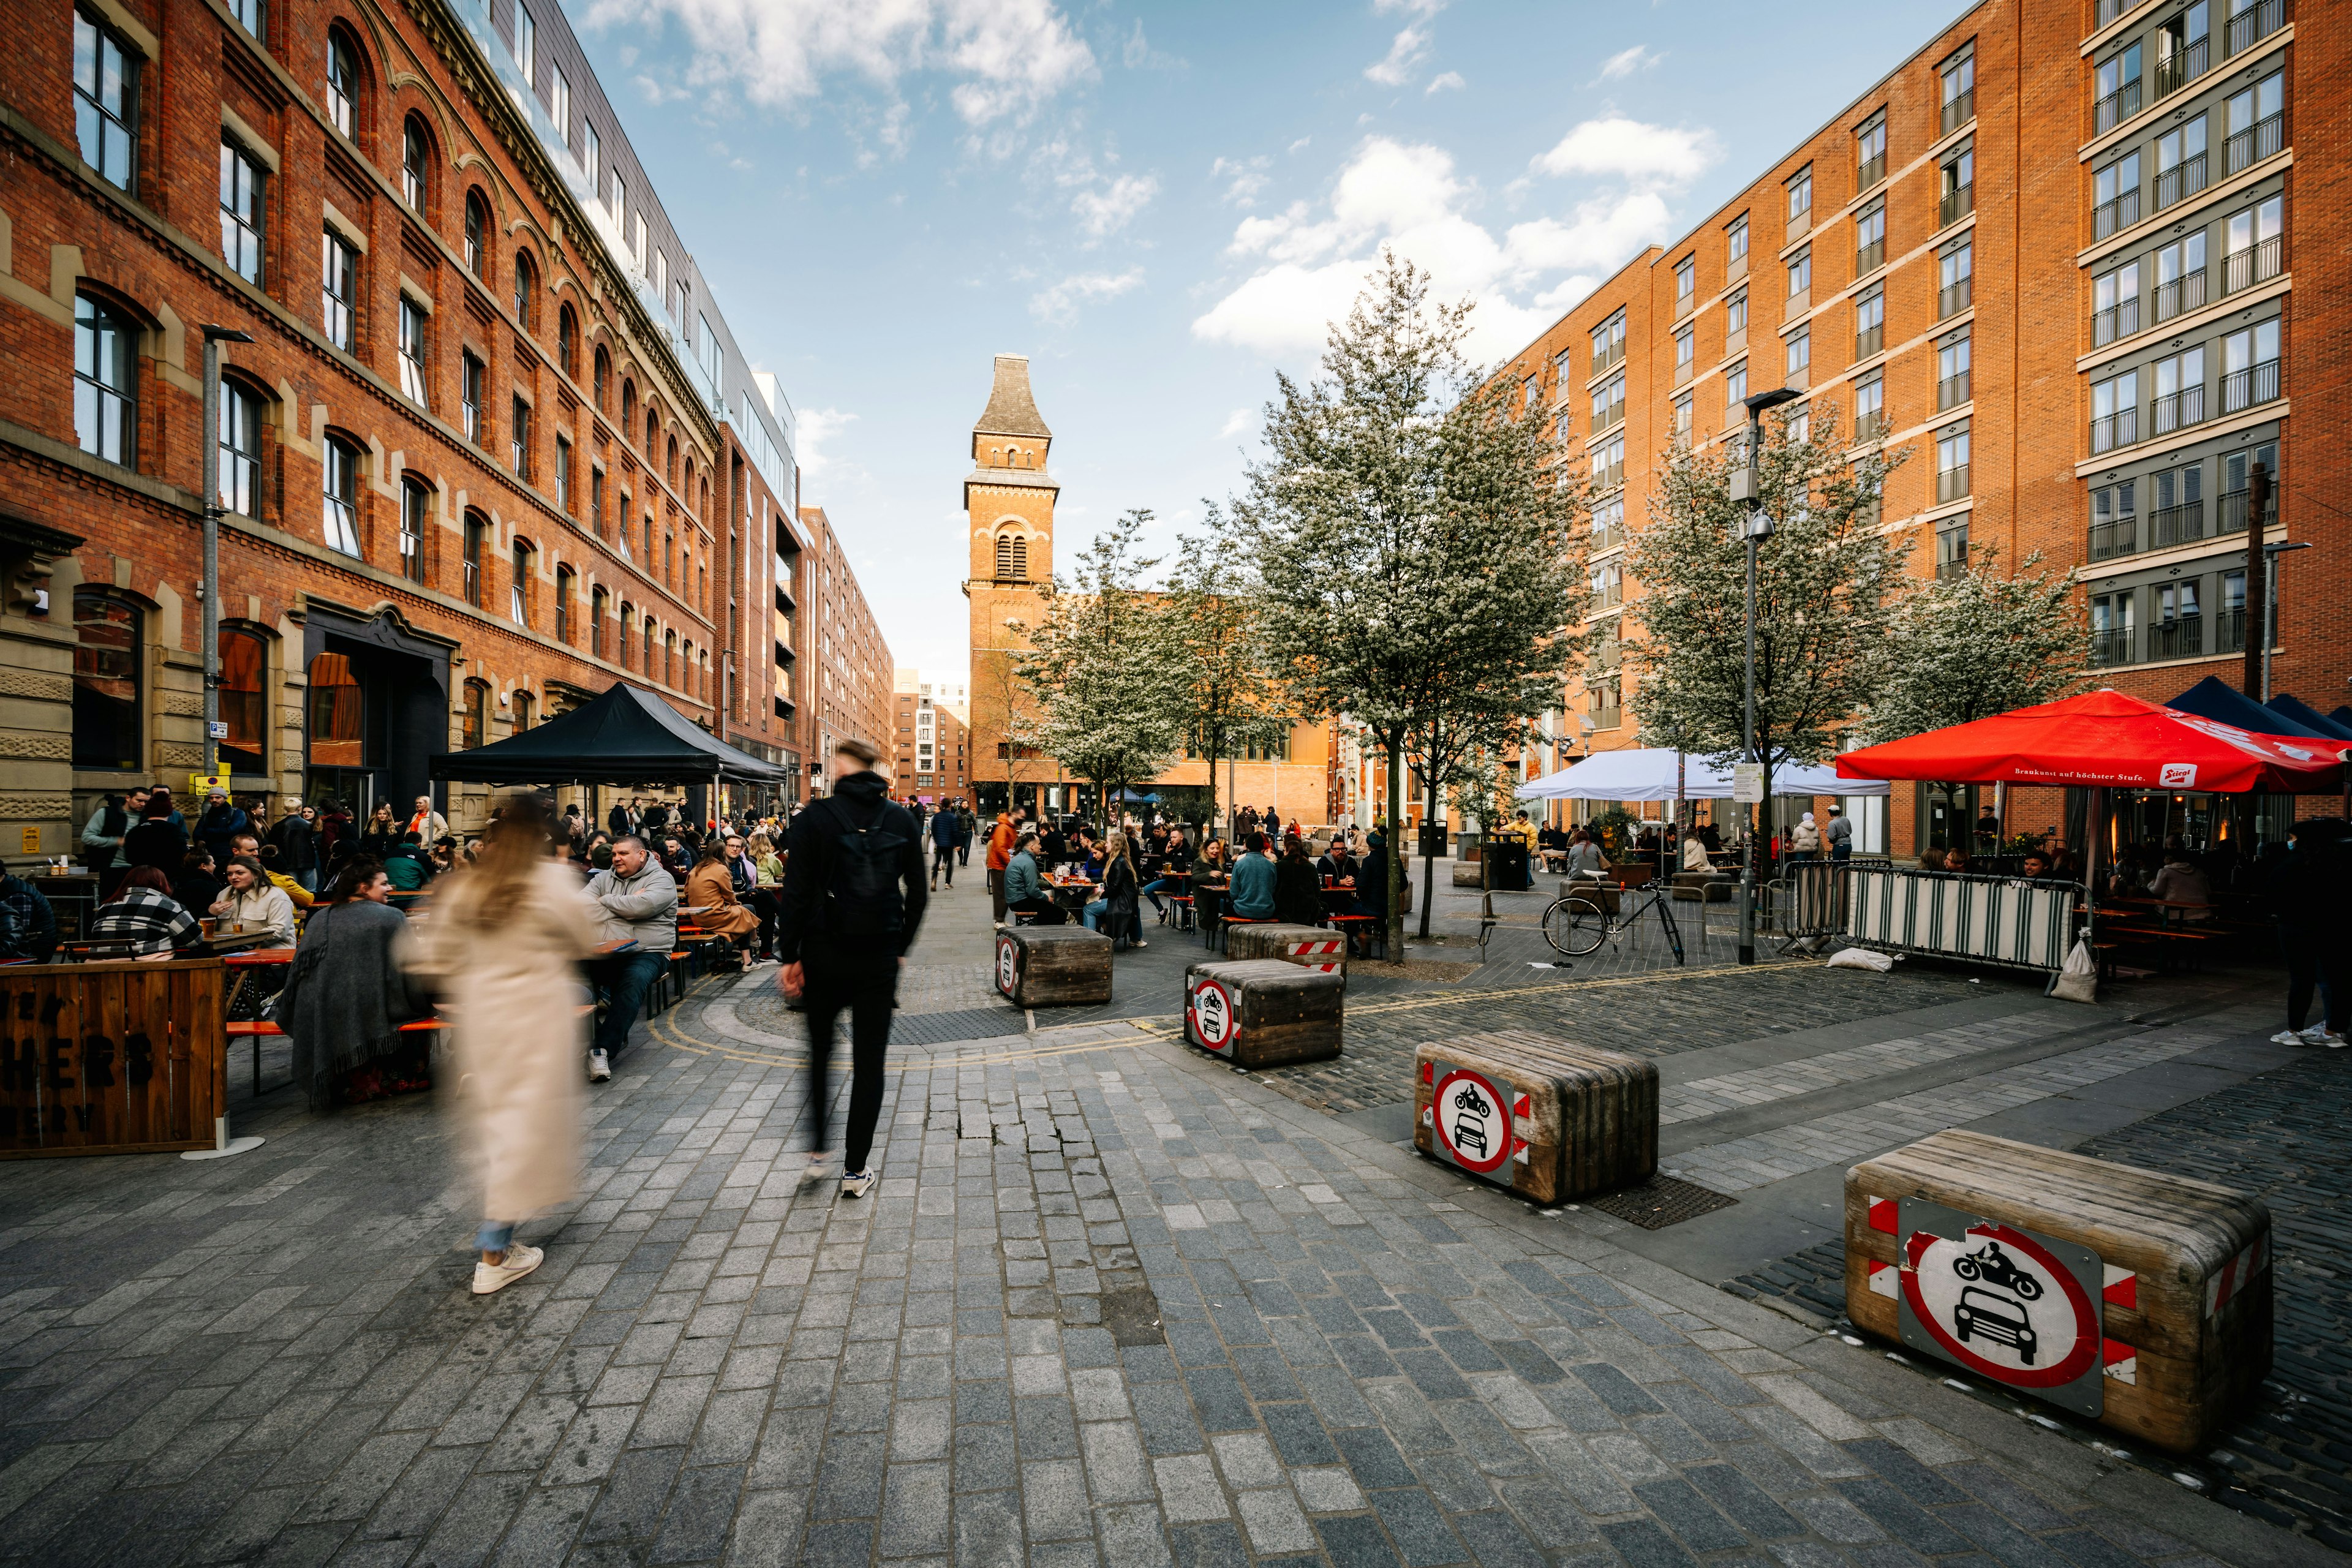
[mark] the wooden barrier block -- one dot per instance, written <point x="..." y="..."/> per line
<point x="111" y="1059"/>
<point x="1309" y="947"/>
<point x="1053" y="966"/>
<point x="1548" y="1118"/>
<point x="1263" y="1012"/>
<point x="2140" y="1299"/>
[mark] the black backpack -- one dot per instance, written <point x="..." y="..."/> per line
<point x="862" y="895"/>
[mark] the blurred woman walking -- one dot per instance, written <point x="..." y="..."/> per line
<point x="506" y="938"/>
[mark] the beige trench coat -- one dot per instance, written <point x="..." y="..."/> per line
<point x="512" y="996"/>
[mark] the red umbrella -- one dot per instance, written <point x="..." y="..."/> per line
<point x="2107" y="740"/>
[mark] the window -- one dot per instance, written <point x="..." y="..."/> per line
<point x="415" y="165"/>
<point x="1870" y="408"/>
<point x="106" y="102"/>
<point x="474" y="718"/>
<point x="2179" y="390"/>
<point x="1870" y="323"/>
<point x="470" y="397"/>
<point x="1683" y="420"/>
<point x="1608" y="342"/>
<point x="1609" y="463"/>
<point x="567" y="343"/>
<point x="341" y="475"/>
<point x="1800" y="273"/>
<point x="2114" y="412"/>
<point x="1951" y="463"/>
<point x="2180" y="276"/>
<point x="1608" y="583"/>
<point x="1609" y="403"/>
<point x="526" y="45"/>
<point x="523" y="703"/>
<point x="1012" y="558"/>
<point x="338" y="289"/>
<point x="592" y="155"/>
<point x="596" y="502"/>
<point x="2252" y="252"/>
<point x="563" y="581"/>
<point x="2115" y="195"/>
<point x="2250" y="366"/>
<point x="519" y="439"/>
<point x="1952" y="372"/>
<point x="2112" y="620"/>
<point x="601" y="375"/>
<point x="2252" y="21"/>
<point x="1686" y="283"/>
<point x="2257" y="122"/>
<point x="106" y="400"/>
<point x="248" y="14"/>
<point x="1870" y="238"/>
<point x="2179" y="514"/>
<point x="526" y="291"/>
<point x="619" y="205"/>
<point x="478" y="235"/>
<point x="411" y="353"/>
<point x="343" y="84"/>
<point x="628" y="618"/>
<point x="415" y="507"/>
<point x="559" y="105"/>
<point x="1685" y="347"/>
<point x="2115" y="521"/>
<point x="597" y="600"/>
<point x="2182" y="50"/>
<point x="2236" y="472"/>
<point x="1798" y="422"/>
<point x="1800" y="196"/>
<point x="2114" y="304"/>
<point x="244" y="659"/>
<point x="1952" y="542"/>
<point x="106" y="682"/>
<point x="240" y="449"/>
<point x="1736" y="246"/>
<point x="473" y="562"/>
<point x="1735" y="385"/>
<point x="241" y="211"/>
<point x="628" y="409"/>
<point x="1800" y="352"/>
<point x="1609" y="523"/>
<point x="1957" y="184"/>
<point x="1955" y="279"/>
<point x="1734" y="315"/>
<point x="1531" y="391"/>
<point x="1960" y="92"/>
<point x="519" y="593"/>
<point x="2180" y="162"/>
<point x="2177" y="626"/>
<point x="563" y="474"/>
<point x="1870" y="152"/>
<point x="2118" y="91"/>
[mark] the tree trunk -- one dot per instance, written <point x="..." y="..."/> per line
<point x="1429" y="862"/>
<point x="1396" y="849"/>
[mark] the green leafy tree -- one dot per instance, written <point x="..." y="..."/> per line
<point x="1217" y="671"/>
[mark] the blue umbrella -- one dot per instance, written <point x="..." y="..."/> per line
<point x="2224" y="705"/>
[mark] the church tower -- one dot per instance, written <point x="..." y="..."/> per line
<point x="1008" y="501"/>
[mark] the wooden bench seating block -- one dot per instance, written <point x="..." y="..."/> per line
<point x="2143" y="1299"/>
<point x="1263" y="1012"/>
<point x="1468" y="874"/>
<point x="1053" y="966"/>
<point x="1549" y="1119"/>
<point x="1311" y="947"/>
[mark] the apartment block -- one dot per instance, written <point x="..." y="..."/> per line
<point x="2049" y="258"/>
<point x="933" y="744"/>
<point x="846" y="693"/>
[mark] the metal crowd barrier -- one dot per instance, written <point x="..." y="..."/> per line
<point x="1986" y="919"/>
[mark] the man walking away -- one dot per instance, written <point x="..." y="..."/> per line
<point x="945" y="827"/>
<point x="1839" y="834"/>
<point x="967" y="824"/>
<point x="853" y="899"/>
<point x="636" y="901"/>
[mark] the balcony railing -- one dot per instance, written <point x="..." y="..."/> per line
<point x="2183" y="66"/>
<point x="1958" y="110"/>
<point x="1613" y="355"/>
<point x="1952" y="391"/>
<point x="2117" y="537"/>
<point x="1869" y="340"/>
<point x="2230" y="632"/>
<point x="1610" y="415"/>
<point x="1957" y="566"/>
<point x="1952" y="483"/>
<point x="2118" y="106"/>
<point x="1609" y="476"/>
<point x="1957" y="204"/>
<point x="2253" y="24"/>
<point x="2233" y="515"/>
<point x="2178" y="410"/>
<point x="2121" y="213"/>
<point x="2185" y="178"/>
<point x="1954" y="298"/>
<point x="2254" y="264"/>
<point x="2248" y="387"/>
<point x="2181" y="524"/>
<point x="1608" y="597"/>
<point x="2110" y="9"/>
<point x="1870" y="258"/>
<point x="2117" y="429"/>
<point x="2120" y="319"/>
<point x="2113" y="647"/>
<point x="2186" y="292"/>
<point x="1869" y="172"/>
<point x="2259" y="140"/>
<point x="2181" y="639"/>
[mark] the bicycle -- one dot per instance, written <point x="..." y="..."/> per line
<point x="1578" y="921"/>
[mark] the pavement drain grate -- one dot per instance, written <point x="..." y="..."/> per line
<point x="1662" y="1201"/>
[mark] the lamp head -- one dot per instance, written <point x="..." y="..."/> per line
<point x="214" y="334"/>
<point x="1772" y="399"/>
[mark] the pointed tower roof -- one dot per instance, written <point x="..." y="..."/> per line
<point x="1012" y="410"/>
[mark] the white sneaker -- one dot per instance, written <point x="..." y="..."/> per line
<point x="2289" y="1037"/>
<point x="2315" y="1035"/>
<point x="600" y="1067"/>
<point x="857" y="1183"/>
<point x="521" y="1260"/>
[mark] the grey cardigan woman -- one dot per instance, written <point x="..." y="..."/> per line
<point x="348" y="994"/>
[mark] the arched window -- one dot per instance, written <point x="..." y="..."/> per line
<point x="670" y="659"/>
<point x="1012" y="557"/>
<point x="474" y="721"/>
<point x="521" y="702"/>
<point x="603" y="375"/>
<point x="478" y="235"/>
<point x="629" y="616"/>
<point x="685" y="651"/>
<point x="597" y="601"/>
<point x="476" y="530"/>
<point x="415" y="165"/>
<point x="653" y="646"/>
<point x="653" y="432"/>
<point x="526" y="289"/>
<point x="518" y="598"/>
<point x="243" y="661"/>
<point x="416" y="511"/>
<point x="106" y="386"/>
<point x="670" y="465"/>
<point x="240" y="448"/>
<point x="343" y="83"/>
<point x="107" y="682"/>
<point x="342" y="474"/>
<point x="628" y="408"/>
<point x="567" y="341"/>
<point x="338" y="713"/>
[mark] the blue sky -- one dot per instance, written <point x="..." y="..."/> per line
<point x="1163" y="205"/>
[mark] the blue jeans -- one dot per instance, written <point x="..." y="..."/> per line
<point x="1152" y="889"/>
<point x="494" y="1237"/>
<point x="1092" y="914"/>
<point x="624" y="980"/>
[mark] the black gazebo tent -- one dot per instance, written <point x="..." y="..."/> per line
<point x="628" y="736"/>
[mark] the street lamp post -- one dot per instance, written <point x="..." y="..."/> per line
<point x="2262" y="612"/>
<point x="213" y="338"/>
<point x="1747" y="487"/>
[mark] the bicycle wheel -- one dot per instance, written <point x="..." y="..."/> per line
<point x="1575" y="926"/>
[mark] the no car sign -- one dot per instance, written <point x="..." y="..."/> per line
<point x="1212" y="1017"/>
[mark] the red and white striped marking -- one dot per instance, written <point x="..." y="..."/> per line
<point x="2234" y="1276"/>
<point x="1521" y="1108"/>
<point x="2121" y="1361"/>
<point x="2120" y="1287"/>
<point x="1312" y="947"/>
<point x="1885" y="1280"/>
<point x="1882" y="1213"/>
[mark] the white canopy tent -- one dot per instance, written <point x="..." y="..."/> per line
<point x="1648" y="773"/>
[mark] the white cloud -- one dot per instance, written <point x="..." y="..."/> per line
<point x="1443" y="81"/>
<point x="1237" y="423"/>
<point x="1060" y="303"/>
<point x="1422" y="8"/>
<point x="1406" y="51"/>
<point x="1005" y="55"/>
<point x="813" y="431"/>
<point x="1102" y="213"/>
<point x="1629" y="149"/>
<point x="1245" y="178"/>
<point x="1627" y="62"/>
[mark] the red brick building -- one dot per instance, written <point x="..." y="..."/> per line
<point x="2055" y="255"/>
<point x="490" y="448"/>
<point x="845" y="689"/>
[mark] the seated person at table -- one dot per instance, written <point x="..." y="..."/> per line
<point x="347" y="991"/>
<point x="28" y="926"/>
<point x="144" y="913"/>
<point x="1585" y="857"/>
<point x="1336" y="863"/>
<point x="1551" y="845"/>
<point x="1175" y="858"/>
<point x="1297" y="888"/>
<point x="1216" y="861"/>
<point x="2182" y="881"/>
<point x="1694" y="854"/>
<point x="197" y="881"/>
<point x="1931" y="859"/>
<point x="2037" y="867"/>
<point x="1115" y="908"/>
<point x="246" y="844"/>
<point x="406" y="865"/>
<point x="1955" y="859"/>
<point x="1024" y="888"/>
<point x="248" y="900"/>
<point x="711" y="888"/>
<point x="1251" y="897"/>
<point x="1091" y="860"/>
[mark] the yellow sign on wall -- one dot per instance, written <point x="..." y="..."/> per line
<point x="201" y="785"/>
<point x="32" y="841"/>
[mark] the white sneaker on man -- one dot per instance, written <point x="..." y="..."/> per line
<point x="2290" y="1038"/>
<point x="2315" y="1035"/>
<point x="857" y="1183"/>
<point x="521" y="1260"/>
<point x="600" y="1067"/>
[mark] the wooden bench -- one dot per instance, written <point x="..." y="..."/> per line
<point x="1263" y="1012"/>
<point x="1310" y="947"/>
<point x="1548" y="1118"/>
<point x="2139" y="1299"/>
<point x="1053" y="966"/>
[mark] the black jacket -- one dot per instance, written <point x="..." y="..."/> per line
<point x="1297" y="892"/>
<point x="155" y="842"/>
<point x="861" y="800"/>
<point x="297" y="843"/>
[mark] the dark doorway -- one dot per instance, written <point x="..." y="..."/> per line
<point x="378" y="708"/>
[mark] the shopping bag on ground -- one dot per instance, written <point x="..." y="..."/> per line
<point x="2078" y="979"/>
<point x="1860" y="958"/>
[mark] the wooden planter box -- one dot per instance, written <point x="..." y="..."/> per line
<point x="1549" y="1120"/>
<point x="111" y="1059"/>
<point x="1053" y="966"/>
<point x="1309" y="947"/>
<point x="2139" y="1299"/>
<point x="1263" y="1012"/>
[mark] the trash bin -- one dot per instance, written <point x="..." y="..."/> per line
<point x="1506" y="862"/>
<point x="1432" y="841"/>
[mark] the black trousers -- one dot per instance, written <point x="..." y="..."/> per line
<point x="943" y="855"/>
<point x="865" y="987"/>
<point x="762" y="903"/>
<point x="1047" y="911"/>
<point x="2316" y="956"/>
